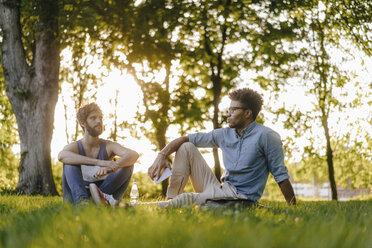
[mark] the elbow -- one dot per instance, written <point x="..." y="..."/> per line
<point x="61" y="157"/>
<point x="135" y="156"/>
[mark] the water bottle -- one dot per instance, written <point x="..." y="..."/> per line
<point x="134" y="193"/>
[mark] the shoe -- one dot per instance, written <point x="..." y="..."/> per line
<point x="99" y="197"/>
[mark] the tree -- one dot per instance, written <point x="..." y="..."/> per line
<point x="211" y="26"/>
<point x="320" y="33"/>
<point x="30" y="60"/>
<point x="223" y="39"/>
<point x="155" y="36"/>
<point x="79" y="81"/>
<point x="140" y="40"/>
<point x="352" y="163"/>
<point x="153" y="51"/>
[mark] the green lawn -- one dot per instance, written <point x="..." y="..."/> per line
<point x="47" y="222"/>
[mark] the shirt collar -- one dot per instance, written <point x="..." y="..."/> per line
<point x="247" y="130"/>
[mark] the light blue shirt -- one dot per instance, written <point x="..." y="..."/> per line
<point x="248" y="158"/>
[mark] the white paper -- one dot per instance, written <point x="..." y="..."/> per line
<point x="89" y="171"/>
<point x="167" y="173"/>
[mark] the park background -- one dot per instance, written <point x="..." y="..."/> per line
<point x="161" y="69"/>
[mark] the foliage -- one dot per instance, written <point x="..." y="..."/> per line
<point x="272" y="190"/>
<point x="352" y="165"/>
<point x="46" y="222"/>
<point x="322" y="30"/>
<point x="8" y="129"/>
<point x="57" y="169"/>
<point x="8" y="138"/>
<point x="79" y="76"/>
<point x="141" y="40"/>
<point x="8" y="170"/>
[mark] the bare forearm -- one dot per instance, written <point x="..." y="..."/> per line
<point x="174" y="145"/>
<point x="72" y="158"/>
<point x="287" y="191"/>
<point x="161" y="160"/>
<point x="128" y="159"/>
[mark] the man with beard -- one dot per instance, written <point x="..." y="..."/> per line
<point x="88" y="163"/>
<point x="250" y="152"/>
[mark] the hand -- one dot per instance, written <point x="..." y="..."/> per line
<point x="103" y="171"/>
<point x="109" y="164"/>
<point x="160" y="163"/>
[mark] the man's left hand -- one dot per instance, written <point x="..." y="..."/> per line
<point x="103" y="171"/>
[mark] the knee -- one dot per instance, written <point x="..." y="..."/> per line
<point x="71" y="168"/>
<point x="187" y="146"/>
<point x="130" y="169"/>
<point x="126" y="171"/>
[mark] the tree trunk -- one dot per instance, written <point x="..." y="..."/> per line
<point x="217" y="165"/>
<point x="32" y="92"/>
<point x="216" y="124"/>
<point x="330" y="161"/>
<point x="66" y="126"/>
<point x="160" y="138"/>
<point x="323" y="93"/>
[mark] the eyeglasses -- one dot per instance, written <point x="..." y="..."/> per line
<point x="232" y="109"/>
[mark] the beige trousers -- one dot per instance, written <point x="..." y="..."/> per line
<point x="189" y="163"/>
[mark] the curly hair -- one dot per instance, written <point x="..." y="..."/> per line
<point x="83" y="112"/>
<point x="249" y="98"/>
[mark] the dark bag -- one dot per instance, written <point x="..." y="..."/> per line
<point x="230" y="202"/>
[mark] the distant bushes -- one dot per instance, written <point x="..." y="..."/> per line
<point x="8" y="170"/>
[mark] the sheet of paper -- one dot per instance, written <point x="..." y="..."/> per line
<point x="167" y="173"/>
<point x="88" y="172"/>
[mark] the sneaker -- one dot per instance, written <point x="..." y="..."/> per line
<point x="99" y="197"/>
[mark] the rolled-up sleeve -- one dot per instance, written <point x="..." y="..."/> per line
<point x="273" y="148"/>
<point x="210" y="139"/>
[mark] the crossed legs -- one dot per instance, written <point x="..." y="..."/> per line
<point x="75" y="189"/>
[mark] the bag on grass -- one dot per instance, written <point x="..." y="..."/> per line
<point x="230" y="202"/>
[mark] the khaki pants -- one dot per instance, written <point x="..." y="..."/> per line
<point x="189" y="163"/>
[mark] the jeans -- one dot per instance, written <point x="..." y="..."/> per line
<point x="75" y="189"/>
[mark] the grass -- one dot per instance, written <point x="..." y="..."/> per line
<point x="46" y="222"/>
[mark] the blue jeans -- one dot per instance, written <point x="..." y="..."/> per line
<point x="75" y="189"/>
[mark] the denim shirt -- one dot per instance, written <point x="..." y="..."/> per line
<point x="248" y="158"/>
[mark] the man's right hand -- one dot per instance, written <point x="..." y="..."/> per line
<point x="160" y="163"/>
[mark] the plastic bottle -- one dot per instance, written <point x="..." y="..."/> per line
<point x="134" y="193"/>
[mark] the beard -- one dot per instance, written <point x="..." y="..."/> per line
<point x="231" y="123"/>
<point x="94" y="131"/>
<point x="236" y="123"/>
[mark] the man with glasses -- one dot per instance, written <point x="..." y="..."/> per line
<point x="250" y="152"/>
